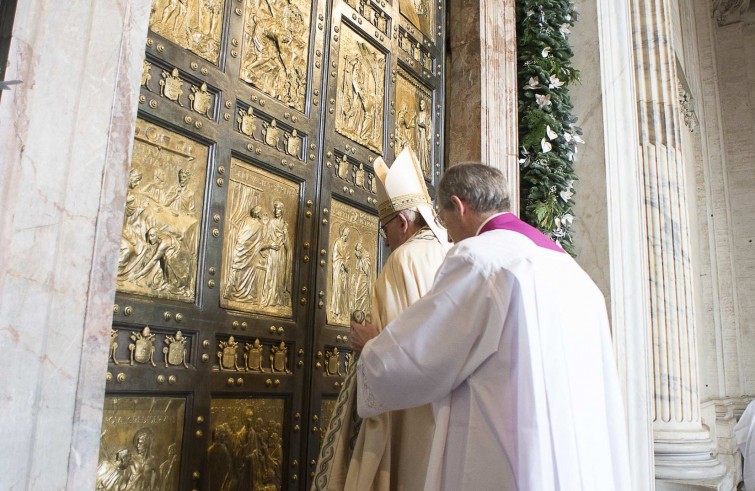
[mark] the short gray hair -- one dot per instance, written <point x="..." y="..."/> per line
<point x="483" y="187"/>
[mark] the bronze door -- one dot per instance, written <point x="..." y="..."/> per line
<point x="250" y="231"/>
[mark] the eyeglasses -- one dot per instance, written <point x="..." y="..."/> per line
<point x="439" y="220"/>
<point x="383" y="227"/>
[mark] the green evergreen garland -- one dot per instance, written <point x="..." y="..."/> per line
<point x="548" y="136"/>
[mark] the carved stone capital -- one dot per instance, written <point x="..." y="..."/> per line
<point x="729" y="11"/>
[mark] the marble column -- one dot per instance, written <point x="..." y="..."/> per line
<point x="481" y="98"/>
<point x="683" y="448"/>
<point x="65" y="141"/>
<point x="626" y="234"/>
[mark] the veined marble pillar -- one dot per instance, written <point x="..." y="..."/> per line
<point x="684" y="449"/>
<point x="481" y="98"/>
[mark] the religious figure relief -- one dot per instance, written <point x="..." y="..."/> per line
<point x="373" y="184"/>
<point x="423" y="137"/>
<point x="253" y="356"/>
<point x="201" y="100"/>
<point x="246" y="451"/>
<point x="352" y="268"/>
<point x="279" y="358"/>
<point x="257" y="271"/>
<point x="362" y="280"/>
<point x="276" y="48"/>
<point x="339" y="303"/>
<point x="141" y="456"/>
<point x="171" y="86"/>
<point x="421" y="14"/>
<point x="333" y="362"/>
<point x="276" y="287"/>
<point x="143" y="347"/>
<point x="347" y="360"/>
<point x="361" y="81"/>
<point x="113" y="345"/>
<point x="166" y="266"/>
<point x="247" y="122"/>
<point x="157" y="190"/>
<point x="195" y="25"/>
<point x="227" y="351"/>
<point x="414" y="121"/>
<point x="146" y="75"/>
<point x="159" y="243"/>
<point x="175" y="351"/>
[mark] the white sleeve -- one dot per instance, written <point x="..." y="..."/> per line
<point x="435" y="344"/>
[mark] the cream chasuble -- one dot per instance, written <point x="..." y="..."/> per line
<point x="389" y="451"/>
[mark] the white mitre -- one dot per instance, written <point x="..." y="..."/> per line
<point x="402" y="187"/>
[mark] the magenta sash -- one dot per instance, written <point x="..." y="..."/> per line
<point x="509" y="221"/>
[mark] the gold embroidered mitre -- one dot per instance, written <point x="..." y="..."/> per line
<point x="402" y="187"/>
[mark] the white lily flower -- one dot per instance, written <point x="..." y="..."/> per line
<point x="554" y="82"/>
<point x="546" y="52"/>
<point x="566" y="195"/>
<point x="568" y="137"/>
<point x="570" y="156"/>
<point x="578" y="138"/>
<point x="547" y="147"/>
<point x="564" y="29"/>
<point x="542" y="100"/>
<point x="533" y="83"/>
<point x="552" y="135"/>
<point x="568" y="219"/>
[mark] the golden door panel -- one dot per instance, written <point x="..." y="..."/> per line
<point x="141" y="443"/>
<point x="260" y="233"/>
<point x="361" y="90"/>
<point x="414" y="120"/>
<point x="352" y="269"/>
<point x="158" y="255"/>
<point x="421" y="14"/>
<point x="246" y="450"/>
<point x="192" y="24"/>
<point x="275" y="54"/>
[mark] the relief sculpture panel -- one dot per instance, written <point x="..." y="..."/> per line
<point x="158" y="254"/>
<point x="414" y="120"/>
<point x="192" y="24"/>
<point x="246" y="452"/>
<point x="275" y="54"/>
<point x="420" y="13"/>
<point x="352" y="268"/>
<point x="140" y="444"/>
<point x="360" y="92"/>
<point x="260" y="233"/>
